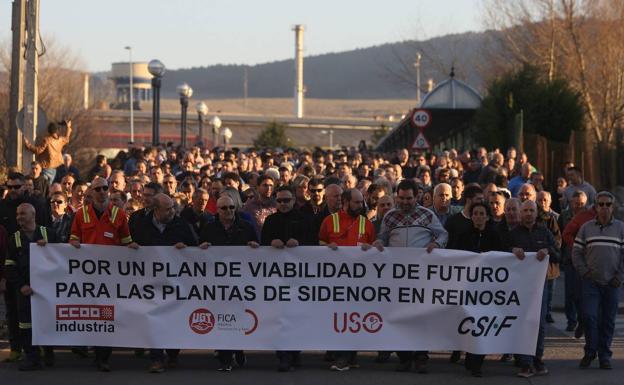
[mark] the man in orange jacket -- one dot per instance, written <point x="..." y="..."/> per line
<point x="347" y="227"/>
<point x="101" y="223"/>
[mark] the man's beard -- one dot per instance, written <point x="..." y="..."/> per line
<point x="353" y="213"/>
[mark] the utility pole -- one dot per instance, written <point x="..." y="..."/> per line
<point x="30" y="83"/>
<point x="245" y="88"/>
<point x="18" y="27"/>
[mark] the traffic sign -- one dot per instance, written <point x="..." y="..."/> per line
<point x="421" y="118"/>
<point x="420" y="143"/>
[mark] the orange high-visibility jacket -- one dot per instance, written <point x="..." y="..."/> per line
<point x="344" y="230"/>
<point x="110" y="229"/>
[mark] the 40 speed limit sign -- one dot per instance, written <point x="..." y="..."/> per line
<point x="421" y="118"/>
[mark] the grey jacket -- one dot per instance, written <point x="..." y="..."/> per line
<point x="599" y="251"/>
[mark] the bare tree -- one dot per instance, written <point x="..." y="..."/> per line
<point x="60" y="91"/>
<point x="581" y="41"/>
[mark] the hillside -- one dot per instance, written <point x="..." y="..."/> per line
<point x="378" y="72"/>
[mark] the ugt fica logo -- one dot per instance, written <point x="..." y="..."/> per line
<point x="354" y="322"/>
<point x="201" y="321"/>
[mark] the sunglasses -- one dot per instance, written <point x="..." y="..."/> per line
<point x="14" y="187"/>
<point x="59" y="202"/>
<point x="100" y="188"/>
<point x="316" y="190"/>
<point x="283" y="200"/>
<point x="604" y="204"/>
<point x="227" y="207"/>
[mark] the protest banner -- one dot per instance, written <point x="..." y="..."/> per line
<point x="303" y="298"/>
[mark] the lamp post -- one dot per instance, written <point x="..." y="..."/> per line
<point x="157" y="69"/>
<point x="227" y="135"/>
<point x="331" y="137"/>
<point x="215" y="122"/>
<point x="131" y="92"/>
<point x="185" y="92"/>
<point x="417" y="65"/>
<point x="202" y="111"/>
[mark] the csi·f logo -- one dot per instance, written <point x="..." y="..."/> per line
<point x="201" y="321"/>
<point x="354" y="322"/>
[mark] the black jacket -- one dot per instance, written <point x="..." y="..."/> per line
<point x="531" y="240"/>
<point x="8" y="211"/>
<point x="478" y="241"/>
<point x="293" y="224"/>
<point x="62" y="228"/>
<point x="239" y="234"/>
<point x="196" y="220"/>
<point x="18" y="258"/>
<point x="178" y="230"/>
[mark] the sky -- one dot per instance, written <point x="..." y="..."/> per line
<point x="194" y="33"/>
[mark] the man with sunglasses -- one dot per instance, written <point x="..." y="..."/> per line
<point x="288" y="227"/>
<point x="228" y="229"/>
<point x="101" y="223"/>
<point x="60" y="220"/>
<point x="598" y="257"/>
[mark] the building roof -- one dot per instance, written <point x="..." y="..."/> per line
<point x="452" y="94"/>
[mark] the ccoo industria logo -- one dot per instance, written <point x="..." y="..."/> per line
<point x="85" y="318"/>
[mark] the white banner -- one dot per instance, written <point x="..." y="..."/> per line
<point x="305" y="298"/>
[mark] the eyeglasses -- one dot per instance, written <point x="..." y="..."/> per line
<point x="100" y="188"/>
<point x="316" y="190"/>
<point x="604" y="204"/>
<point x="283" y="200"/>
<point x="232" y="207"/>
<point x="57" y="202"/>
<point x="14" y="186"/>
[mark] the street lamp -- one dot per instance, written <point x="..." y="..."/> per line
<point x="131" y="93"/>
<point x="185" y="92"/>
<point x="157" y="69"/>
<point x="227" y="135"/>
<point x="331" y="137"/>
<point x="215" y="122"/>
<point x="417" y="65"/>
<point x="202" y="111"/>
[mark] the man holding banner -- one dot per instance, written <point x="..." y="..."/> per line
<point x="288" y="227"/>
<point x="165" y="228"/>
<point x="228" y="229"/>
<point x="411" y="225"/>
<point x="347" y="228"/>
<point x="18" y="273"/>
<point x="101" y="223"/>
<point x="529" y="236"/>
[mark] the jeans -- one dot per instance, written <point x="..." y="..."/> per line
<point x="572" y="284"/>
<point x="50" y="173"/>
<point x="526" y="360"/>
<point x="600" y="306"/>
<point x="551" y="289"/>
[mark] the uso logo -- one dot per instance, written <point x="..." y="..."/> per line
<point x="355" y="322"/>
<point x="201" y="321"/>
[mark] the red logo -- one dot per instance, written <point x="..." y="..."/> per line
<point x="354" y="322"/>
<point x="201" y="321"/>
<point x="85" y="312"/>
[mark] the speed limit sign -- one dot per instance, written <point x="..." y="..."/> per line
<point x="421" y="118"/>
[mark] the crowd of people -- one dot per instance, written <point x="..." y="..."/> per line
<point x="469" y="200"/>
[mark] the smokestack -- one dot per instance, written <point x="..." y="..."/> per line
<point x="298" y="70"/>
<point x="85" y="93"/>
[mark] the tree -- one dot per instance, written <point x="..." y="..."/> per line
<point x="550" y="108"/>
<point x="581" y="41"/>
<point x="273" y="135"/>
<point x="60" y="92"/>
